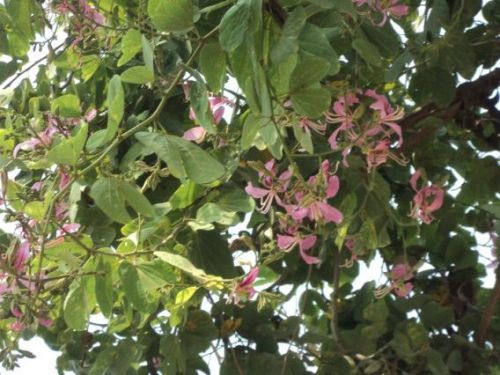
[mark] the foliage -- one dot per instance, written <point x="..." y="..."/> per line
<point x="330" y="132"/>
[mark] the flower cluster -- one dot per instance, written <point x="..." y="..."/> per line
<point x="384" y="9"/>
<point x="54" y="126"/>
<point x="305" y="203"/>
<point x="373" y="130"/>
<point x="86" y="17"/>
<point x="426" y="200"/>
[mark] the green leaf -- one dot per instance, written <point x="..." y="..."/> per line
<point x="131" y="46"/>
<point x="367" y="51"/>
<point x="436" y="316"/>
<point x="66" y="106"/>
<point x="234" y="25"/>
<point x="198" y="332"/>
<point x="312" y="40"/>
<point x="104" y="285"/>
<point x="35" y="210"/>
<point x="138" y="75"/>
<point x="75" y="309"/>
<point x="148" y="54"/>
<point x="20" y="12"/>
<point x="184" y="159"/>
<point x="186" y="195"/>
<point x="182" y="263"/>
<point x="213" y="65"/>
<point x="435" y="363"/>
<point x="111" y="195"/>
<point x="311" y="101"/>
<point x="310" y="70"/>
<point x="199" y="102"/>
<point x="212" y="213"/>
<point x="236" y="200"/>
<point x="68" y="150"/>
<point x="253" y="123"/>
<point x="133" y="288"/>
<point x="434" y="85"/>
<point x="209" y="251"/>
<point x="90" y="66"/>
<point x="288" y="42"/>
<point x="303" y="137"/>
<point x="174" y="361"/>
<point x="171" y="15"/>
<point x="116" y="105"/>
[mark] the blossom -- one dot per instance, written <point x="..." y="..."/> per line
<point x="17" y="326"/>
<point x="64" y="180"/>
<point x="218" y="105"/>
<point x="309" y="125"/>
<point x="21" y="256"/>
<point x="399" y="275"/>
<point x="91" y="13"/>
<point x="196" y="134"/>
<point x="289" y="241"/>
<point x="273" y="186"/>
<point x="245" y="289"/>
<point x="426" y="200"/>
<point x="46" y="322"/>
<point x="68" y="228"/>
<point x="386" y="8"/>
<point x="316" y="207"/>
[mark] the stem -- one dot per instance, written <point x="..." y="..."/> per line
<point x="119" y="139"/>
<point x="215" y="7"/>
<point x="334" y="323"/>
<point x="484" y="325"/>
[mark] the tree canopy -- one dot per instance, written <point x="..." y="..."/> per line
<point x="191" y="182"/>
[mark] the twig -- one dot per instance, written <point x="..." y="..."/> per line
<point x="489" y="312"/>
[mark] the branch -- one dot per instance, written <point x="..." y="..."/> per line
<point x="468" y="96"/>
<point x="489" y="312"/>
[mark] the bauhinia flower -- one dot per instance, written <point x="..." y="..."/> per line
<point x="386" y="8"/>
<point x="273" y="186"/>
<point x="21" y="256"/>
<point x="427" y="199"/>
<point x="287" y="242"/>
<point x="315" y="206"/>
<point x="400" y="276"/>
<point x="244" y="289"/>
<point x="218" y="106"/>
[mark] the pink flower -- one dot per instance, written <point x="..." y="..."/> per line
<point x="196" y="134"/>
<point x="47" y="323"/>
<point x="17" y="326"/>
<point x="309" y="125"/>
<point x="399" y="275"/>
<point x="64" y="180"/>
<point x="21" y="256"/>
<point x="68" y="228"/>
<point x="426" y="200"/>
<point x="91" y="13"/>
<point x="16" y="312"/>
<point x="316" y="208"/>
<point x="288" y="242"/>
<point x="386" y="116"/>
<point x="385" y="7"/>
<point x="61" y="210"/>
<point x="245" y="289"/>
<point x="273" y="187"/>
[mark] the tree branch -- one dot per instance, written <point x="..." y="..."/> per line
<point x="468" y="96"/>
<point x="489" y="312"/>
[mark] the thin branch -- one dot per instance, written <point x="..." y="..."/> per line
<point x="489" y="312"/>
